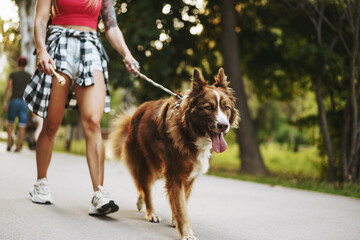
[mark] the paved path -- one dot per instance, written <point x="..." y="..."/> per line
<point x="220" y="209"/>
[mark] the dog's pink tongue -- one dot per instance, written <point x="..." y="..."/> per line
<point x="218" y="142"/>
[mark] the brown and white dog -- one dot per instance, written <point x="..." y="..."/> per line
<point x="174" y="139"/>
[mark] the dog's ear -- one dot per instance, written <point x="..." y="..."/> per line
<point x="198" y="83"/>
<point x="221" y="79"/>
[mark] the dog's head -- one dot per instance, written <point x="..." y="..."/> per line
<point x="211" y="109"/>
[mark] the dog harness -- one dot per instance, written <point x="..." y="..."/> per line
<point x="70" y="12"/>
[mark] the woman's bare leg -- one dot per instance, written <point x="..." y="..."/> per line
<point x="45" y="142"/>
<point x="9" y="130"/>
<point x="91" y="101"/>
<point x="21" y="135"/>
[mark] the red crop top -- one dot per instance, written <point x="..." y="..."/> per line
<point x="76" y="12"/>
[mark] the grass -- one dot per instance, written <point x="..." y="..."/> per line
<point x="317" y="185"/>
<point x="302" y="169"/>
<point x="77" y="147"/>
<point x="277" y="158"/>
<point x="283" y="161"/>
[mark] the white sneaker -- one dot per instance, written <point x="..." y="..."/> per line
<point x="102" y="203"/>
<point x="41" y="192"/>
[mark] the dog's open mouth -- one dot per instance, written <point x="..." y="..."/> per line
<point x="218" y="142"/>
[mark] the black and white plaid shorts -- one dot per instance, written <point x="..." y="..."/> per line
<point x="38" y="91"/>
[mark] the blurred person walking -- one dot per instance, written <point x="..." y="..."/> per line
<point x="72" y="46"/>
<point x="17" y="107"/>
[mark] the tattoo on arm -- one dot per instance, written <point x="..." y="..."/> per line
<point x="108" y="14"/>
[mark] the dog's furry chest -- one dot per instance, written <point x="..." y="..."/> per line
<point x="201" y="165"/>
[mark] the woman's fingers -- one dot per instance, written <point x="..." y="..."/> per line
<point x="44" y="61"/>
<point x="43" y="67"/>
<point x="132" y="65"/>
<point x="61" y="79"/>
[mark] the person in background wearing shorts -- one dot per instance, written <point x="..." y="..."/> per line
<point x="72" y="46"/>
<point x="17" y="106"/>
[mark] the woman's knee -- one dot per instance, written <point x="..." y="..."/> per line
<point x="50" y="127"/>
<point x="92" y="123"/>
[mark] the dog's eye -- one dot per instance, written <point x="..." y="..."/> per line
<point x="208" y="108"/>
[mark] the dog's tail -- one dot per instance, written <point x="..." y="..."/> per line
<point x="118" y="135"/>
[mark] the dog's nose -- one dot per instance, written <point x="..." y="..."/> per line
<point x="222" y="126"/>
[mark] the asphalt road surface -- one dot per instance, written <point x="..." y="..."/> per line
<point x="220" y="209"/>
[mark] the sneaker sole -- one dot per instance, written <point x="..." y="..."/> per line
<point x="110" y="207"/>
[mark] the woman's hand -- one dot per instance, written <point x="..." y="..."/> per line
<point x="131" y="64"/>
<point x="44" y="60"/>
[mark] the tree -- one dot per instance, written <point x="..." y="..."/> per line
<point x="350" y="137"/>
<point x="318" y="76"/>
<point x="10" y="41"/>
<point x="251" y="160"/>
<point x="18" y="37"/>
<point x="349" y="158"/>
<point x="26" y="26"/>
<point x="292" y="47"/>
<point x="161" y="41"/>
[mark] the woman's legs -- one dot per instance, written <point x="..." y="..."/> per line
<point x="91" y="101"/>
<point x="9" y="129"/>
<point x="12" y="112"/>
<point x="41" y="193"/>
<point x="23" y="119"/>
<point x="45" y="142"/>
<point x="21" y="135"/>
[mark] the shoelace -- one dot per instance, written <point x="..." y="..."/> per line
<point x="101" y="193"/>
<point x="104" y="192"/>
<point x="42" y="188"/>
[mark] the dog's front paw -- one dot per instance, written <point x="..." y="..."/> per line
<point x="189" y="238"/>
<point x="173" y="222"/>
<point x="153" y="218"/>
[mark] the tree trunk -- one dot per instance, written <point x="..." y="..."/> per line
<point x="317" y="21"/>
<point x="26" y="16"/>
<point x="344" y="142"/>
<point x="358" y="131"/>
<point x="353" y="103"/>
<point x="345" y="137"/>
<point x="323" y="124"/>
<point x="251" y="160"/>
